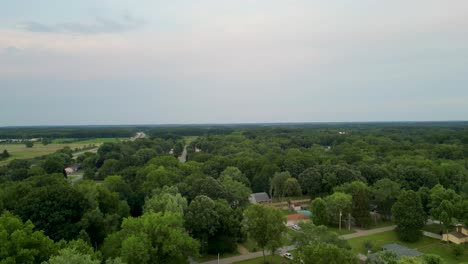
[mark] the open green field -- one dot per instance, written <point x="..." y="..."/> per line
<point x="189" y="139"/>
<point x="87" y="141"/>
<point x="275" y="259"/>
<point x="425" y="245"/>
<point x="19" y="151"/>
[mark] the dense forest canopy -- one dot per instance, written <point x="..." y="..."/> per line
<point x="136" y="196"/>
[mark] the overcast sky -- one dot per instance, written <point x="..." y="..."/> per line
<point x="65" y="62"/>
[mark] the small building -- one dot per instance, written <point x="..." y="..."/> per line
<point x="260" y="198"/>
<point x="295" y="219"/>
<point x="459" y="236"/>
<point x="72" y="169"/>
<point x="399" y="250"/>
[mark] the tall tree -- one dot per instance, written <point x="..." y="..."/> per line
<point x="152" y="238"/>
<point x="338" y="205"/>
<point x="265" y="225"/>
<point x="409" y="215"/>
<point x="201" y="217"/>
<point x="361" y="199"/>
<point x="21" y="244"/>
<point x="319" y="209"/>
<point x="292" y="187"/>
<point x="278" y="184"/>
<point x="386" y="192"/>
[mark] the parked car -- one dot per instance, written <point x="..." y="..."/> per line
<point x="288" y="255"/>
<point x="295" y="227"/>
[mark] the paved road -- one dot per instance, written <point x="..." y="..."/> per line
<point x="252" y="255"/>
<point x="429" y="234"/>
<point x="183" y="156"/>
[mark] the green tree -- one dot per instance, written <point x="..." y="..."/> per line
<point x="109" y="167"/>
<point x="360" y="206"/>
<point x="278" y="184"/>
<point x="152" y="238"/>
<point x="165" y="200"/>
<point x="409" y="215"/>
<point x="53" y="164"/>
<point x="29" y="144"/>
<point x="201" y="218"/>
<point x="386" y="192"/>
<point x="338" y="205"/>
<point x="292" y="187"/>
<point x="312" y="182"/>
<point x="236" y="175"/>
<point x="385" y="257"/>
<point x="71" y="256"/>
<point x="237" y="193"/>
<point x="265" y="225"/>
<point x="5" y="154"/>
<point x="319" y="209"/>
<point x="56" y="209"/>
<point x="311" y="234"/>
<point x="322" y="253"/>
<point x="21" y="244"/>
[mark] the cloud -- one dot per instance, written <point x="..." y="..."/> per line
<point x="99" y="25"/>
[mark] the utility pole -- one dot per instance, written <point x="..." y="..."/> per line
<point x="340" y="220"/>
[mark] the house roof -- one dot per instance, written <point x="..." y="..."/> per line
<point x="402" y="251"/>
<point x="457" y="234"/>
<point x="260" y="197"/>
<point x="295" y="217"/>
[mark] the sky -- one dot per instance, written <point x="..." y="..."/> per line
<point x="105" y="62"/>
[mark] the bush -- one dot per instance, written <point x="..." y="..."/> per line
<point x="368" y="244"/>
<point x="458" y="250"/>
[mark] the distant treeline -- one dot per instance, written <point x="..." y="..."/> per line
<point x="445" y="129"/>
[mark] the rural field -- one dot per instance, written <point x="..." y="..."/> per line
<point x="20" y="151"/>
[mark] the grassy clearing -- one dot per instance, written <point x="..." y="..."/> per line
<point x="19" y="151"/>
<point x="190" y="139"/>
<point x="269" y="259"/>
<point x="86" y="141"/>
<point x="425" y="245"/>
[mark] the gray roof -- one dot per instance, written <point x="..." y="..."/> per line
<point x="457" y="234"/>
<point x="260" y="197"/>
<point x="402" y="251"/>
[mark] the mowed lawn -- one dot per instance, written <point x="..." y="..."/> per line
<point x="425" y="245"/>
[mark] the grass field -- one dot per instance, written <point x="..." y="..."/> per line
<point x="19" y="151"/>
<point x="86" y="141"/>
<point x="189" y="139"/>
<point x="425" y="245"/>
<point x="275" y="259"/>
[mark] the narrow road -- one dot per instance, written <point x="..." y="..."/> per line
<point x="252" y="255"/>
<point x="183" y="156"/>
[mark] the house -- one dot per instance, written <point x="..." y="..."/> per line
<point x="399" y="250"/>
<point x="72" y="169"/>
<point x="459" y="236"/>
<point x="259" y="198"/>
<point x="295" y="219"/>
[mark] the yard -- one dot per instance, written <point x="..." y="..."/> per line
<point x="425" y="245"/>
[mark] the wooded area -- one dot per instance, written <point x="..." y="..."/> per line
<point x="139" y="204"/>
